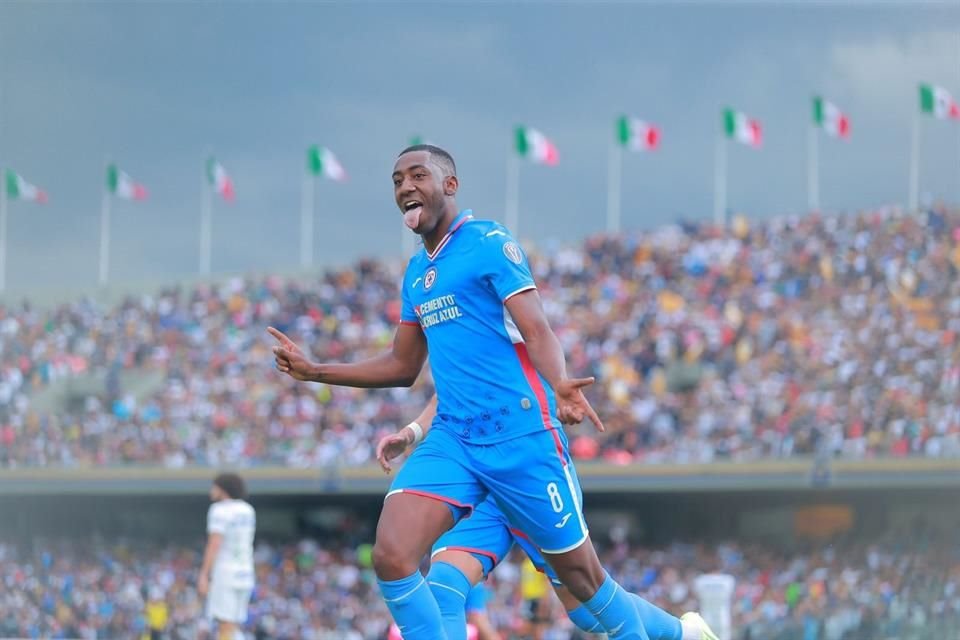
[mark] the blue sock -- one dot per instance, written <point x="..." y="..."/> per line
<point x="659" y="624"/>
<point x="584" y="620"/>
<point x="450" y="587"/>
<point x="413" y="607"/>
<point x="615" y="611"/>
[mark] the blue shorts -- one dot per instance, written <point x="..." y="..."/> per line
<point x="487" y="536"/>
<point x="531" y="478"/>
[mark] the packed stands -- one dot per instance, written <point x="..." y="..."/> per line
<point x="829" y="335"/>
<point x="313" y="590"/>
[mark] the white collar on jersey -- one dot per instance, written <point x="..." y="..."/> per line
<point x="462" y="217"/>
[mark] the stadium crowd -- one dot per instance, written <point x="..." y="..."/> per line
<point x="310" y="591"/>
<point x="830" y="335"/>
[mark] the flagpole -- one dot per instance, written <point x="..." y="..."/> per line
<point x="614" y="189"/>
<point x="3" y="230"/>
<point x="813" y="170"/>
<point x="206" y="214"/>
<point x="306" y="221"/>
<point x="104" y="237"/>
<point x="720" y="183"/>
<point x="914" y="196"/>
<point x="513" y="195"/>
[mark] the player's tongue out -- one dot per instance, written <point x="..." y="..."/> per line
<point x="411" y="215"/>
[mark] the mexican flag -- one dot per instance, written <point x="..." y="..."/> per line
<point x="738" y="126"/>
<point x="637" y="135"/>
<point x="220" y="180"/>
<point x="19" y="189"/>
<point x="938" y="102"/>
<point x="121" y="185"/>
<point x="535" y="146"/>
<point x="828" y="117"/>
<point x="322" y="162"/>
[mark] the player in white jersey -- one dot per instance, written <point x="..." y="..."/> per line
<point x="227" y="576"/>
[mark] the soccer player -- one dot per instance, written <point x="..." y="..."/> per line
<point x="227" y="571"/>
<point x="476" y="545"/>
<point x="504" y="391"/>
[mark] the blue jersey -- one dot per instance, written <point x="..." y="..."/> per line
<point x="488" y="389"/>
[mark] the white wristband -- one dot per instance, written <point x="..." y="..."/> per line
<point x="417" y="432"/>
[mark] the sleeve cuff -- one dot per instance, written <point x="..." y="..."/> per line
<point x="526" y="287"/>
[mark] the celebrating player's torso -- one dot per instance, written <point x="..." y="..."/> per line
<point x="489" y="390"/>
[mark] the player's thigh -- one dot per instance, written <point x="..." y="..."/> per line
<point x="534" y="482"/>
<point x="438" y="469"/>
<point x="536" y="558"/>
<point x="484" y="535"/>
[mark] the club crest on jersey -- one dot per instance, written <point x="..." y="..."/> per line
<point x="513" y="252"/>
<point x="429" y="278"/>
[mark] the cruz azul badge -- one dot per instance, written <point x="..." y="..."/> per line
<point x="513" y="253"/>
<point x="429" y="278"/>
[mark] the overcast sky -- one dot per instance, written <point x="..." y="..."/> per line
<point x="153" y="85"/>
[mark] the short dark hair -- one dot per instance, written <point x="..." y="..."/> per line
<point x="232" y="484"/>
<point x="438" y="155"/>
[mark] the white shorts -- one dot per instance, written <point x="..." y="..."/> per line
<point x="228" y="604"/>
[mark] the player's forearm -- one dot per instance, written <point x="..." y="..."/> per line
<point x="425" y="419"/>
<point x="379" y="372"/>
<point x="213" y="545"/>
<point x="546" y="354"/>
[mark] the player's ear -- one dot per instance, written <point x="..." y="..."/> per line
<point x="450" y="185"/>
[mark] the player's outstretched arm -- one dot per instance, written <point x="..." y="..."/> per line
<point x="399" y="367"/>
<point x="547" y="356"/>
<point x="395" y="444"/>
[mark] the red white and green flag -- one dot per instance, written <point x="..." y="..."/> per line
<point x="742" y="128"/>
<point x="937" y="102"/>
<point x="828" y="117"/>
<point x="636" y="134"/>
<point x="121" y="185"/>
<point x="19" y="189"/>
<point x="220" y="180"/>
<point x="535" y="146"/>
<point x="322" y="162"/>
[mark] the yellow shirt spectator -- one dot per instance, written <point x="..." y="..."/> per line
<point x="158" y="614"/>
<point x="533" y="584"/>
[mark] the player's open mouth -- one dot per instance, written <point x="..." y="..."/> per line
<point x="412" y="209"/>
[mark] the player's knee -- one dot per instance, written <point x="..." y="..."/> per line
<point x="391" y="561"/>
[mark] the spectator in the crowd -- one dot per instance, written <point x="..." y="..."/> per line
<point x="907" y="590"/>
<point x="822" y="335"/>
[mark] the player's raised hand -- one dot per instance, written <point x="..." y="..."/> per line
<point x="392" y="446"/>
<point x="289" y="358"/>
<point x="572" y="405"/>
